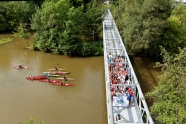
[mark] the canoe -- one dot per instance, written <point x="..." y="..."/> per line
<point x="17" y="67"/>
<point x="50" y="81"/>
<point x="36" y="77"/>
<point x="70" y="79"/>
<point x="53" y="69"/>
<point x="50" y="75"/>
<point x="63" y="84"/>
<point x="57" y="72"/>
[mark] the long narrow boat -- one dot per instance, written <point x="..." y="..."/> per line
<point x="36" y="77"/>
<point x="58" y="69"/>
<point x="57" y="72"/>
<point x="17" y="67"/>
<point x="70" y="79"/>
<point x="50" y="81"/>
<point x="50" y="75"/>
<point x="63" y="84"/>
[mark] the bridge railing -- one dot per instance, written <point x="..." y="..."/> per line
<point x="143" y="111"/>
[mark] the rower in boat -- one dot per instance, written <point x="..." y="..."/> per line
<point x="20" y="66"/>
<point x="56" y="68"/>
<point x="48" y="79"/>
<point x="65" y="78"/>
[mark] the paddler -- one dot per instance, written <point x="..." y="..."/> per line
<point x="20" y="66"/>
<point x="65" y="78"/>
<point x="48" y="79"/>
<point x="56" y="68"/>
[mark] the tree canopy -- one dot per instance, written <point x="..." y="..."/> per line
<point x="12" y="13"/>
<point x="170" y="95"/>
<point x="172" y="35"/>
<point x="62" y="28"/>
<point x="143" y="22"/>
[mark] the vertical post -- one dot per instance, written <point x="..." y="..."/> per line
<point x="93" y="35"/>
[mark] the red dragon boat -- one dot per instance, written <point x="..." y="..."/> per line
<point x="36" y="77"/>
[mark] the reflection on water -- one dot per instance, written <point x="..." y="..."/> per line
<point x="22" y="99"/>
<point x="147" y="75"/>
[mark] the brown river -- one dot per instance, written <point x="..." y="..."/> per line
<point x="83" y="103"/>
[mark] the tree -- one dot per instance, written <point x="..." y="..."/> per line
<point x="173" y="34"/>
<point x="141" y="23"/>
<point x="170" y="95"/>
<point x="15" y="12"/>
<point x="180" y="12"/>
<point x="61" y="27"/>
<point x="50" y="23"/>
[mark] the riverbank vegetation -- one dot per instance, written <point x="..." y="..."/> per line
<point x="61" y="26"/>
<point x="66" y="29"/>
<point x="170" y="95"/>
<point x="6" y="40"/>
<point x="14" y="13"/>
<point x="31" y="121"/>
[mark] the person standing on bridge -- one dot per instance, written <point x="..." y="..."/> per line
<point x="118" y="118"/>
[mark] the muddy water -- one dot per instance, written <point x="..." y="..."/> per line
<point x="82" y="104"/>
<point x="147" y="74"/>
<point x="22" y="99"/>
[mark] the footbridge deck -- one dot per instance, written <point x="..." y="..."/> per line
<point x="124" y="97"/>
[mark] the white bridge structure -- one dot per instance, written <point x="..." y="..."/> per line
<point x="137" y="111"/>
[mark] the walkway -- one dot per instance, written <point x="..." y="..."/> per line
<point x="124" y="97"/>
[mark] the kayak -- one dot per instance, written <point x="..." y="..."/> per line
<point x="50" y="75"/>
<point x="63" y="84"/>
<point x="70" y="79"/>
<point x="37" y="77"/>
<point x="57" y="72"/>
<point x="53" y="69"/>
<point x="17" y="67"/>
<point x="50" y="81"/>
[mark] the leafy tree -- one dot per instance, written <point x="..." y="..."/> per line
<point x="170" y="95"/>
<point x="173" y="34"/>
<point x="61" y="27"/>
<point x="141" y="23"/>
<point x="15" y="12"/>
<point x="73" y="31"/>
<point x="93" y="22"/>
<point x="50" y="23"/>
<point x="76" y="3"/>
<point x="180" y="12"/>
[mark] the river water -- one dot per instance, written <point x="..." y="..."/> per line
<point x="22" y="99"/>
<point x="83" y="103"/>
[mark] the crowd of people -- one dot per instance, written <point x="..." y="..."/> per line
<point x="119" y="75"/>
<point x="120" y="80"/>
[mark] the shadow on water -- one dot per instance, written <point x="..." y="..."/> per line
<point x="146" y="74"/>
